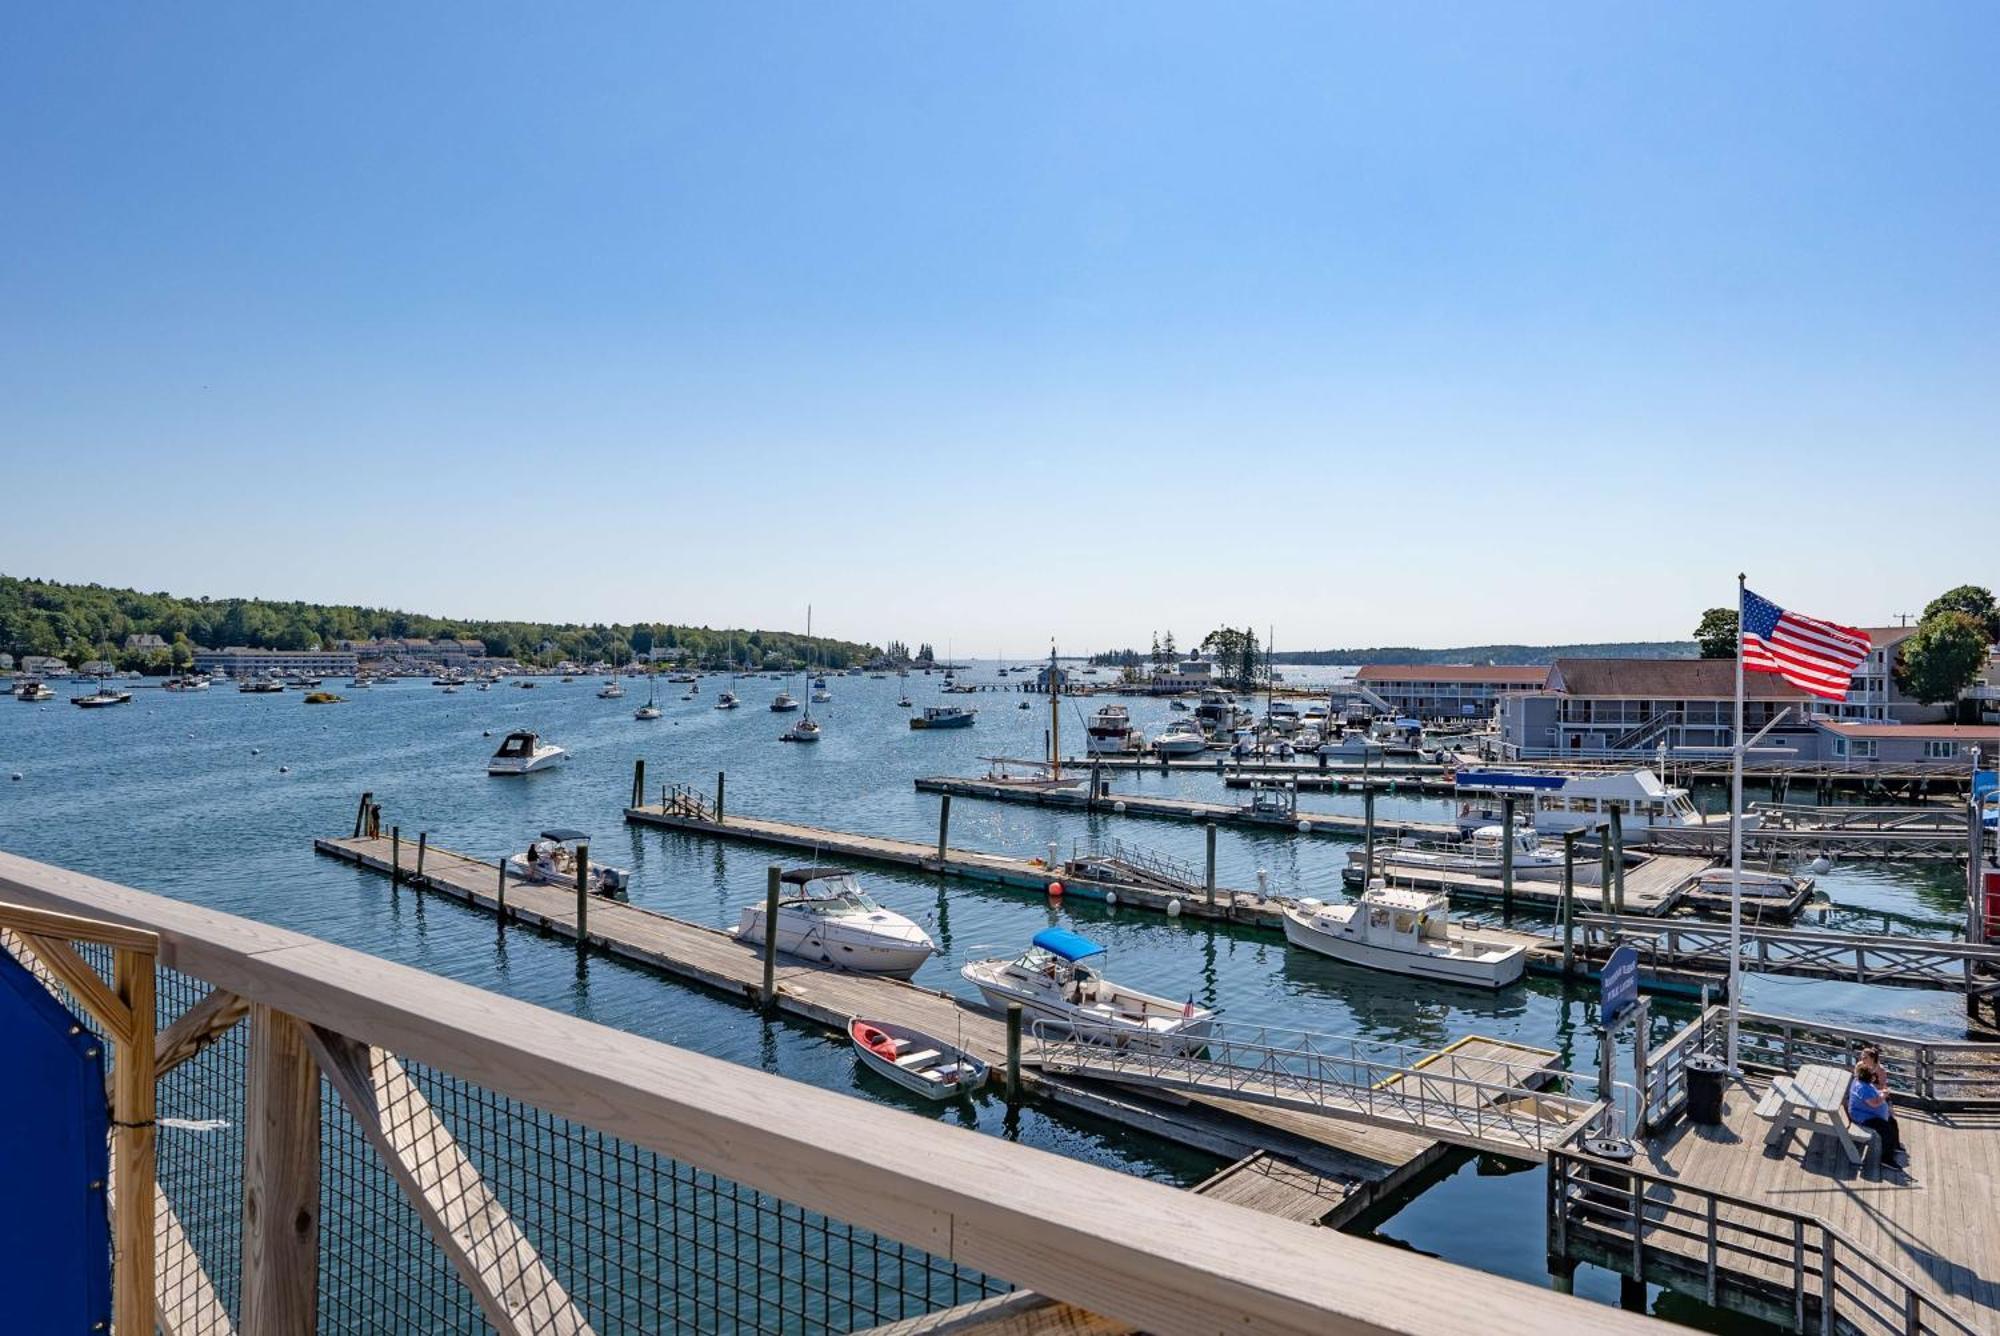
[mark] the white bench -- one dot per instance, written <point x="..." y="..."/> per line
<point x="1814" y="1099"/>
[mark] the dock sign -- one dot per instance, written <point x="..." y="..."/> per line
<point x="1621" y="984"/>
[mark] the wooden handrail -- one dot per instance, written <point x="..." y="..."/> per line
<point x="1122" y="1246"/>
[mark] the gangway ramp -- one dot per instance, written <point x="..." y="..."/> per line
<point x="1479" y="1093"/>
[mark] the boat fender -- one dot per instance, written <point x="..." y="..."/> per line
<point x="1118" y="807"/>
<point x="1173" y="909"/>
<point x="1305" y="827"/>
<point x="1111" y="899"/>
<point x="1055" y="890"/>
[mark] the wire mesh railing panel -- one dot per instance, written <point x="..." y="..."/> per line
<point x="646" y="1243"/>
<point x="199" y="1156"/>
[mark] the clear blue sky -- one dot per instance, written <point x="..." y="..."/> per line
<point x="1432" y="324"/>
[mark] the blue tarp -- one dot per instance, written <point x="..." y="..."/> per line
<point x="1069" y="945"/>
<point x="55" y="1234"/>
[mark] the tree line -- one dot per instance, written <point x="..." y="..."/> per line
<point x="79" y="623"/>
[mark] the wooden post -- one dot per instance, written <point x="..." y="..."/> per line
<point x="500" y="895"/>
<point x="771" y="935"/>
<point x="395" y="857"/>
<point x="132" y="1145"/>
<point x="1569" y="899"/>
<point x="1618" y="859"/>
<point x="1507" y="857"/>
<point x="638" y="781"/>
<point x="720" y="781"/>
<point x="1604" y="880"/>
<point x="361" y="814"/>
<point x="1013" y="1052"/>
<point x="280" y="1282"/>
<point x="944" y="828"/>
<point x="423" y="841"/>
<point x="582" y="896"/>
<point x="1367" y="829"/>
<point x="1208" y="879"/>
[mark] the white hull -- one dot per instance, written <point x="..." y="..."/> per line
<point x="919" y="1064"/>
<point x="1423" y="963"/>
<point x="546" y="759"/>
<point x="846" y="943"/>
<point x="1137" y="1020"/>
<point x="1180" y="746"/>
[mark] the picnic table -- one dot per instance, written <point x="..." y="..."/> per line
<point x="1815" y="1099"/>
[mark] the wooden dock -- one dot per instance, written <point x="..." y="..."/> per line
<point x="1219" y="761"/>
<point x="1368" y="1161"/>
<point x="1187" y="811"/>
<point x="1654" y="885"/>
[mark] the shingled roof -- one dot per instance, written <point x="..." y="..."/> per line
<point x="1668" y="679"/>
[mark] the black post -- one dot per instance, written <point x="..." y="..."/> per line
<point x="1013" y="1052"/>
<point x="944" y="828"/>
<point x="500" y="895"/>
<point x="771" y="937"/>
<point x="1367" y="830"/>
<point x="582" y="896"/>
<point x="1507" y="857"/>
<point x="395" y="857"/>
<point x="720" y="782"/>
<point x="423" y="840"/>
<point x="361" y="815"/>
<point x="638" y="781"/>
<point x="1209" y="880"/>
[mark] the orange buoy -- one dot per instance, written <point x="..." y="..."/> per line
<point x="1055" y="890"/>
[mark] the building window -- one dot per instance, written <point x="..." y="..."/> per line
<point x="1936" y="749"/>
<point x="1864" y="749"/>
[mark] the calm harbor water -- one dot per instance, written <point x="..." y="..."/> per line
<point x="215" y="798"/>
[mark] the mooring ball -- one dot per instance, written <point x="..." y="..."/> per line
<point x="1822" y="864"/>
<point x="1118" y="807"/>
<point x="1111" y="897"/>
<point x="1305" y="827"/>
<point x="284" y="770"/>
<point x="17" y="774"/>
<point x="1173" y="909"/>
<point x="1055" y="889"/>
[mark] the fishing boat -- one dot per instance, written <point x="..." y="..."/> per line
<point x="821" y="696"/>
<point x="260" y="686"/>
<point x="551" y="860"/>
<point x="102" y="697"/>
<point x="945" y="716"/>
<point x="783" y="703"/>
<point x="1057" y="978"/>
<point x="914" y="1060"/>
<point x="32" y="691"/>
<point x="825" y="916"/>
<point x="1183" y="737"/>
<point x="185" y="684"/>
<point x="523" y="753"/>
<point x="1403" y="932"/>
<point x="727" y="701"/>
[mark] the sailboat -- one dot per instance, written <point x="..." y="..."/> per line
<point x="805" y="730"/>
<point x="651" y="709"/>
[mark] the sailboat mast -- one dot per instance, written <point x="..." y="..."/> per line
<point x="1055" y="717"/>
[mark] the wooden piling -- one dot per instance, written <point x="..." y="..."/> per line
<point x="944" y="826"/>
<point x="638" y="781"/>
<point x="1507" y="858"/>
<point x="1617" y="860"/>
<point x="423" y="842"/>
<point x="361" y="813"/>
<point x="582" y="896"/>
<point x="771" y="936"/>
<point x="500" y="893"/>
<point x="395" y="857"/>
<point x="1208" y="879"/>
<point x="1013" y="1052"/>
<point x="1568" y="909"/>
<point x="721" y="781"/>
<point x="1367" y="832"/>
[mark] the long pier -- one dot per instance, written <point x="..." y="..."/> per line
<point x="1366" y="1162"/>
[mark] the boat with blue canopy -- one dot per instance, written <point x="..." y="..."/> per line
<point x="1059" y="978"/>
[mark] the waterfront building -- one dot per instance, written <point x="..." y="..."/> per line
<point x="1874" y="693"/>
<point x="1446" y="691"/>
<point x="1188" y="675"/>
<point x="1633" y="707"/>
<point x="241" y="661"/>
<point x="1898" y="744"/>
<point x="143" y="644"/>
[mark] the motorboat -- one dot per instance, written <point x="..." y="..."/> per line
<point x="1110" y="732"/>
<point x="783" y="703"/>
<point x="523" y="753"/>
<point x="260" y="686"/>
<point x="1217" y="712"/>
<point x="1354" y="745"/>
<point x="1282" y="715"/>
<point x="1554" y="801"/>
<point x="727" y="701"/>
<point x="551" y="860"/>
<point x="610" y="690"/>
<point x="821" y="696"/>
<point x="1058" y="978"/>
<point x="825" y="916"/>
<point x="1482" y="854"/>
<point x="185" y="684"/>
<point x="913" y="1060"/>
<point x="31" y="690"/>
<point x="102" y="697"/>
<point x="1183" y="737"/>
<point x="1403" y="932"/>
<point x="945" y="716"/>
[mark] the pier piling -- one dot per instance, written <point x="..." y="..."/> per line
<point x="638" y="781"/>
<point x="944" y="827"/>
<point x="1208" y="879"/>
<point x="721" y="781"/>
<point x="582" y="896"/>
<point x="423" y="842"/>
<point x="500" y="894"/>
<point x="1569" y="900"/>
<point x="1507" y="859"/>
<point x="771" y="936"/>
<point x="1013" y="1052"/>
<point x="361" y="814"/>
<point x="1617" y="846"/>
<point x="1367" y="833"/>
<point x="395" y="857"/>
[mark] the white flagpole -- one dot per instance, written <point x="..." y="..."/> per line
<point x="1736" y="844"/>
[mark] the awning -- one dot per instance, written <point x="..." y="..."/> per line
<point x="1069" y="945"/>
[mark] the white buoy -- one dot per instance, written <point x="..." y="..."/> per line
<point x="1111" y="898"/>
<point x="1173" y="909"/>
<point x="256" y="751"/>
<point x="284" y="770"/>
<point x="1305" y="827"/>
<point x="1821" y="865"/>
<point x="1118" y="807"/>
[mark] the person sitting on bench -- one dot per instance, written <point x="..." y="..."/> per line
<point x="1868" y="1107"/>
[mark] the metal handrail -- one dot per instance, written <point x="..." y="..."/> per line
<point x="1588" y="1193"/>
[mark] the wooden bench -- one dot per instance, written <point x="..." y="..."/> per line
<point x="1814" y="1099"/>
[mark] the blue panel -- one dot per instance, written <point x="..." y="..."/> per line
<point x="1069" y="945"/>
<point x="1506" y="779"/>
<point x="1620" y="982"/>
<point x="55" y="1234"/>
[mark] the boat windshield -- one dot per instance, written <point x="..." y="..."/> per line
<point x="834" y="895"/>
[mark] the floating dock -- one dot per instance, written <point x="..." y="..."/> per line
<point x="1364" y="1162"/>
<point x="1188" y="811"/>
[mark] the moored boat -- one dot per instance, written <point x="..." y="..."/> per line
<point x="825" y="916"/>
<point x="915" y="1061"/>
<point x="524" y="753"/>
<point x="1057" y="978"/>
<point x="1183" y="737"/>
<point x="552" y="859"/>
<point x="944" y="716"/>
<point x="1403" y="932"/>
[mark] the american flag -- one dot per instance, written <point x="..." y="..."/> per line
<point x="1812" y="655"/>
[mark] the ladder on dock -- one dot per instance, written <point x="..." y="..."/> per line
<point x="1487" y="1103"/>
<point x="1113" y="860"/>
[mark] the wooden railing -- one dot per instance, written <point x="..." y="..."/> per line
<point x="1787" y="1267"/>
<point x="397" y="1057"/>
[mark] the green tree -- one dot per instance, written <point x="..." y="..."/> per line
<point x="1974" y="600"/>
<point x="1717" y="633"/>
<point x="1943" y="657"/>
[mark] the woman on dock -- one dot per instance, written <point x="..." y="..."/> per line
<point x="1868" y="1107"/>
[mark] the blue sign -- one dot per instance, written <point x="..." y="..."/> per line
<point x="1985" y="782"/>
<point x="1621" y="984"/>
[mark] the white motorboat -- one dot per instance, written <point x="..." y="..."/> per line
<point x="727" y="701"/>
<point x="825" y="916"/>
<point x="821" y="696"/>
<point x="783" y="703"/>
<point x="523" y="753"/>
<point x="551" y="860"/>
<point x="260" y="686"/>
<point x="914" y="1060"/>
<point x="185" y="684"/>
<point x="1482" y="854"/>
<point x="1057" y="979"/>
<point x="1403" y="932"/>
<point x="31" y="690"/>
<point x="1555" y="802"/>
<point x="1183" y="737"/>
<point x="610" y="690"/>
<point x="1110" y="731"/>
<point x="1354" y="745"/>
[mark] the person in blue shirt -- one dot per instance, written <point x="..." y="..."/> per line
<point x="1868" y="1106"/>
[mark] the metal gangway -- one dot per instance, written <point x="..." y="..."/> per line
<point x="1483" y="1102"/>
<point x="1899" y="960"/>
<point x="1106" y="858"/>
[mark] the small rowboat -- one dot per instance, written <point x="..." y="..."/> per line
<point x="915" y="1061"/>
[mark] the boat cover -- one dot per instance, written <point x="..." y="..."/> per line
<point x="1069" y="945"/>
<point x="563" y="836"/>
